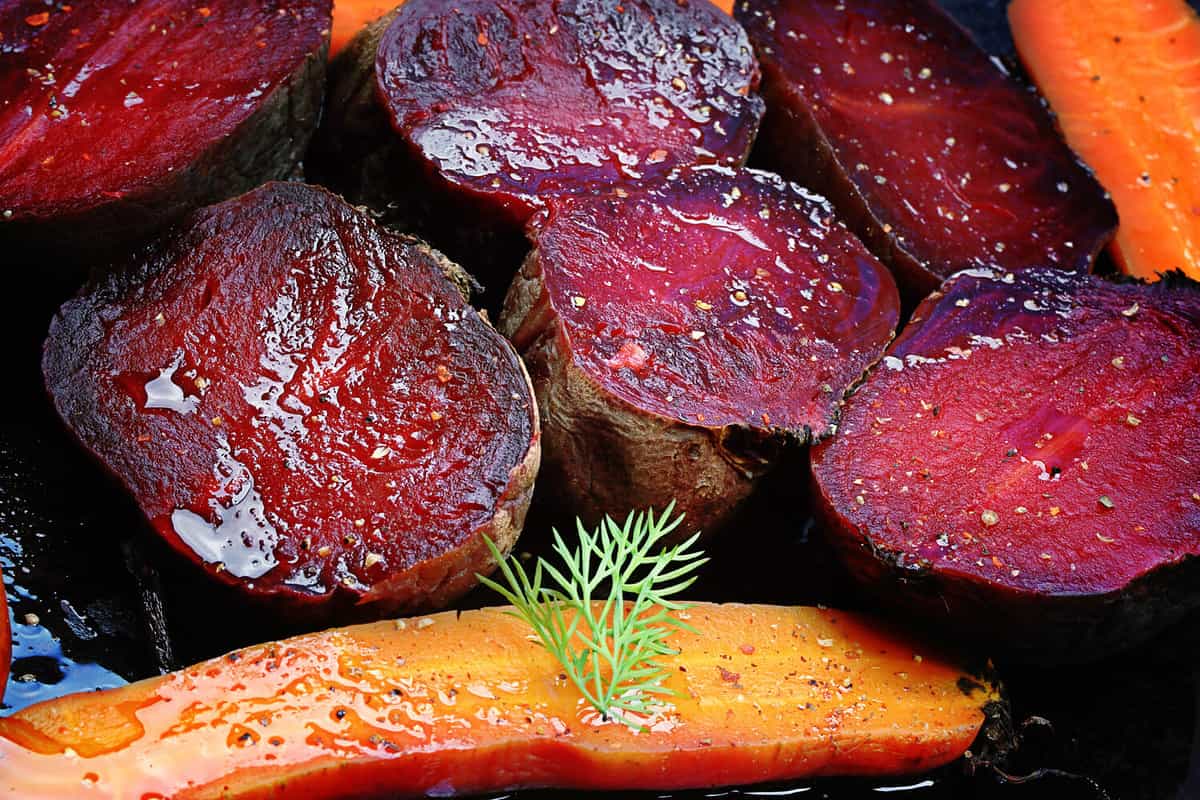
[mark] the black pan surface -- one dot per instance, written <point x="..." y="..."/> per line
<point x="96" y="603"/>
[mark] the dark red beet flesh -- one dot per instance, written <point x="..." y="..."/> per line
<point x="926" y="146"/>
<point x="523" y="100"/>
<point x="302" y="403"/>
<point x="116" y="115"/>
<point x="724" y="306"/>
<point x="718" y="299"/>
<point x="1023" y="460"/>
<point x="459" y="119"/>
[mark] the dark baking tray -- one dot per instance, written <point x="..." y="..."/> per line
<point x="96" y="603"/>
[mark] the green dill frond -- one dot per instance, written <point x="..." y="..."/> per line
<point x="604" y="611"/>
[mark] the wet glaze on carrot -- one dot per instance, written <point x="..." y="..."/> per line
<point x="1124" y="80"/>
<point x="468" y="703"/>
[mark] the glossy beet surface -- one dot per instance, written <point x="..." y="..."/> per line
<point x="521" y="100"/>
<point x="1029" y="437"/>
<point x="926" y="145"/>
<point x="453" y="705"/>
<point x="301" y="402"/>
<point x="108" y="102"/>
<point x="722" y="298"/>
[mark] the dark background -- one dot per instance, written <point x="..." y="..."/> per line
<point x="108" y="605"/>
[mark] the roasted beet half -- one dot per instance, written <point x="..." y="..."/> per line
<point x="678" y="335"/>
<point x="462" y="118"/>
<point x="303" y="404"/>
<point x="1022" y="462"/>
<point x="933" y="154"/>
<point x="118" y="117"/>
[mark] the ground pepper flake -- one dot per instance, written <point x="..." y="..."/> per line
<point x="37" y="20"/>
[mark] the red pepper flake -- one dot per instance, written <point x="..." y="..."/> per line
<point x="747" y="649"/>
<point x="37" y="20"/>
<point x="443" y="373"/>
<point x="729" y="677"/>
<point x="204" y="11"/>
<point x="657" y="157"/>
<point x="482" y="38"/>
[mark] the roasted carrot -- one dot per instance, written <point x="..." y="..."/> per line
<point x="1124" y="79"/>
<point x="349" y="17"/>
<point x="470" y="703"/>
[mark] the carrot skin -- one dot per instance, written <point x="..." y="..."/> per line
<point x="1124" y="81"/>
<point x="461" y="704"/>
<point x="350" y="16"/>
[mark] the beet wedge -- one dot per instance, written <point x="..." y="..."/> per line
<point x="1022" y="465"/>
<point x="462" y="704"/>
<point x="677" y="336"/>
<point x="303" y="404"/>
<point x="928" y="149"/>
<point x="117" y="118"/>
<point x="462" y="118"/>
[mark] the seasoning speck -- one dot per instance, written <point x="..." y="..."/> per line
<point x="1106" y="501"/>
<point x="989" y="517"/>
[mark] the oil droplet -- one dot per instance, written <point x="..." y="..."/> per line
<point x="242" y="539"/>
<point x="164" y="392"/>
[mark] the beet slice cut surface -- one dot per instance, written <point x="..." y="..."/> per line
<point x="935" y="156"/>
<point x="677" y="335"/>
<point x="501" y="105"/>
<point x="1023" y="462"/>
<point x="117" y="117"/>
<point x="303" y="403"/>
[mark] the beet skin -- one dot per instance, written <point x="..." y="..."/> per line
<point x="117" y="117"/>
<point x="929" y="150"/>
<point x="678" y="335"/>
<point x="303" y="404"/>
<point x="461" y="118"/>
<point x="1022" y="462"/>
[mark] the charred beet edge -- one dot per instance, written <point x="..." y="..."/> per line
<point x="937" y="158"/>
<point x="1019" y="463"/>
<point x="303" y="404"/>
<point x="117" y="118"/>
<point x="461" y="118"/>
<point x="678" y="335"/>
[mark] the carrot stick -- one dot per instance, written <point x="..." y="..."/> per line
<point x="1124" y="80"/>
<point x="470" y="703"/>
<point x="349" y="17"/>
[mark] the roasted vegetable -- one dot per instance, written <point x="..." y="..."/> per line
<point x="935" y="156"/>
<point x="1021" y="463"/>
<point x="459" y="118"/>
<point x="303" y="404"/>
<point x="678" y="335"/>
<point x="351" y="16"/>
<point x="117" y="118"/>
<point x="1122" y="78"/>
<point x="467" y="703"/>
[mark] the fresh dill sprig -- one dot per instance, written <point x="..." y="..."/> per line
<point x="608" y="649"/>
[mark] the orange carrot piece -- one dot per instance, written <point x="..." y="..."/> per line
<point x="1124" y="80"/>
<point x="349" y="17"/>
<point x="471" y="703"/>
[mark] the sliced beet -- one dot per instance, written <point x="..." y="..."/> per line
<point x="932" y="153"/>
<point x="677" y="335"/>
<point x="462" y="118"/>
<point x="1023" y="462"/>
<point x="303" y="404"/>
<point x="118" y="117"/>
